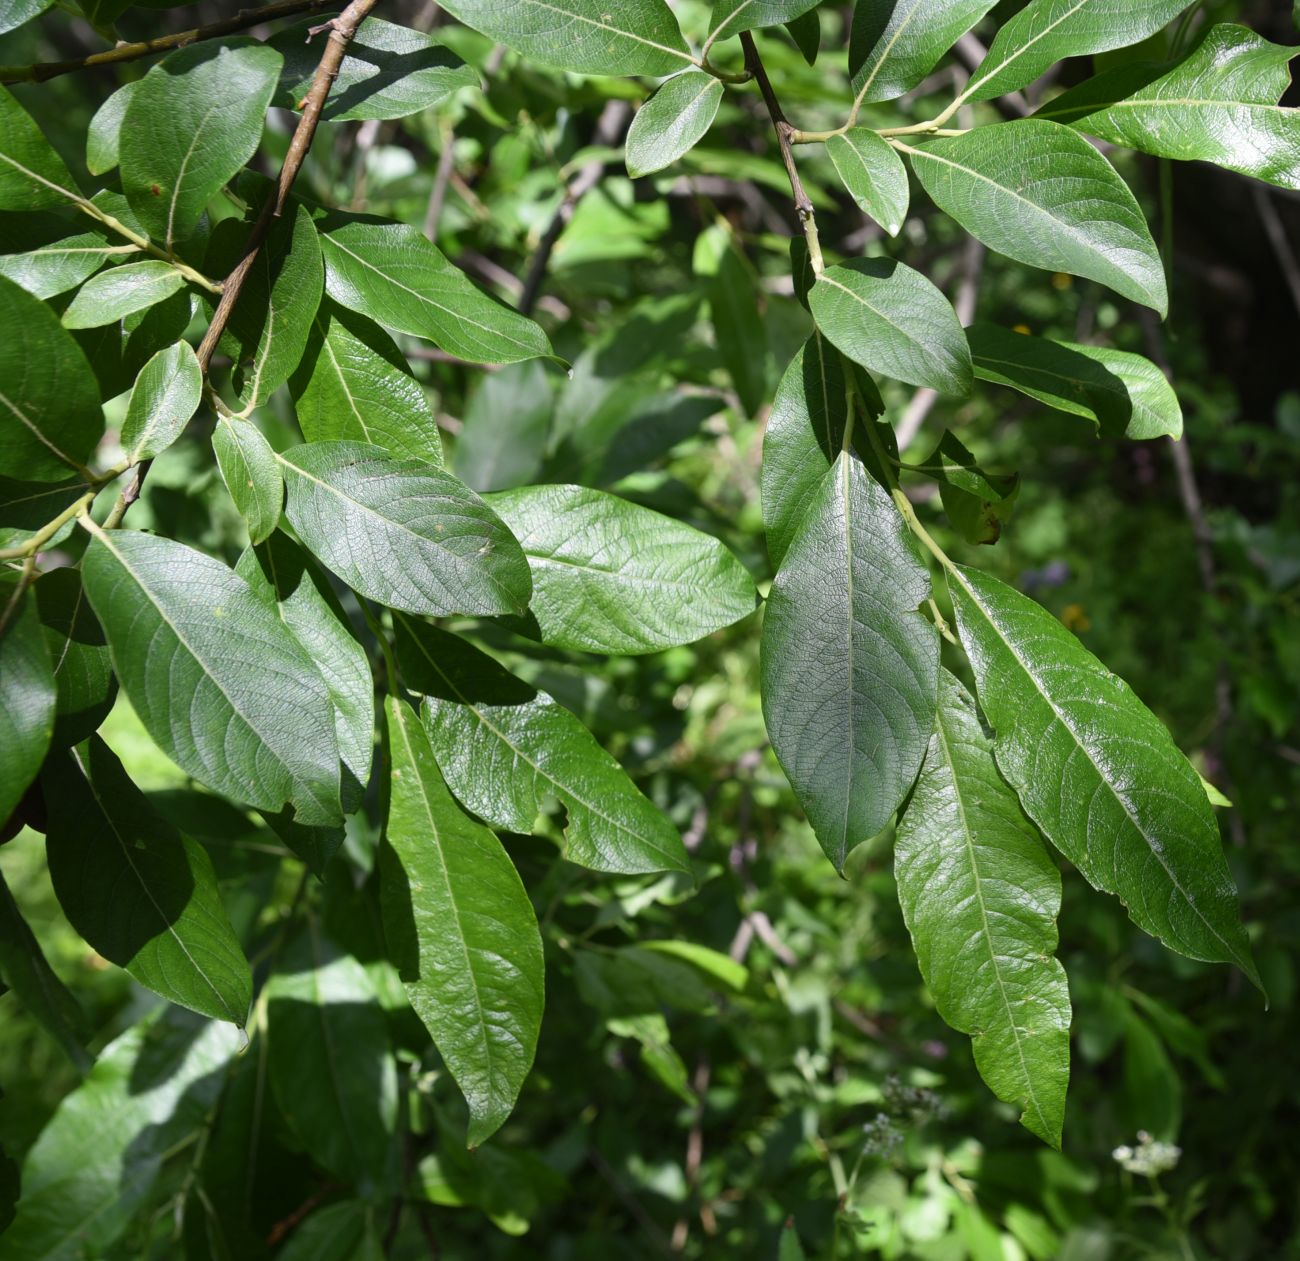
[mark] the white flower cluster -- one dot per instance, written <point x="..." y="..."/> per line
<point x="1149" y="1157"/>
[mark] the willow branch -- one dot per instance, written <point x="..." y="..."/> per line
<point x="242" y="20"/>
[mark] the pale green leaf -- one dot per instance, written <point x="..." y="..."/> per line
<point x="1098" y="772"/>
<point x="461" y="930"/>
<point x="331" y="1064"/>
<point x="120" y="291"/>
<point x="32" y="175"/>
<point x="1038" y="192"/>
<point x="849" y="666"/>
<point x="83" y="671"/>
<point x="164" y="921"/>
<point x="13" y="13"/>
<point x="892" y="320"/>
<point x="402" y="532"/>
<point x="388" y="71"/>
<point x="1048" y="31"/>
<point x="164" y="399"/>
<point x="50" y="417"/>
<point x="216" y="678"/>
<point x="1219" y="104"/>
<point x="894" y="44"/>
<point x="52" y="269"/>
<point x="730" y="17"/>
<point x="105" y="131"/>
<point x="504" y="429"/>
<point x="506" y="748"/>
<point x="873" y="174"/>
<point x="391" y="273"/>
<point x="28" y="696"/>
<point x="980" y="895"/>
<point x="672" y="121"/>
<point x="1120" y="392"/>
<point x="94" y="1165"/>
<point x="610" y="576"/>
<point x="251" y="472"/>
<point x="354" y="384"/>
<point x="192" y="122"/>
<point x="609" y="37"/>
<point x="721" y="969"/>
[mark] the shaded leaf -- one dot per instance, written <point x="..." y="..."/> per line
<point x="894" y="44"/>
<point x="504" y="430"/>
<point x="32" y="175"/>
<point x="83" y="672"/>
<point x="105" y="131"/>
<point x="28" y="695"/>
<point x="977" y="503"/>
<point x="164" y="399"/>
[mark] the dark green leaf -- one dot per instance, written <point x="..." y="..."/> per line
<point x="49" y="400"/>
<point x="896" y="43"/>
<point x="402" y="532"/>
<point x="806" y="31"/>
<point x="874" y="175"/>
<point x="252" y="475"/>
<point x="849" y="666"/>
<point x="980" y="895"/>
<point x="892" y="320"/>
<point x="217" y="679"/>
<point x="28" y="695"/>
<point x="83" y="673"/>
<point x="348" y="1231"/>
<point x="738" y="328"/>
<point x="1098" y="772"/>
<point x="164" y="399"/>
<point x="506" y="748"/>
<point x="610" y="576"/>
<point x="730" y="17"/>
<point x="672" y="121"/>
<point x="163" y="921"/>
<point x="391" y="273"/>
<point x="1041" y="194"/>
<point x="190" y="125"/>
<point x="32" y="175"/>
<point x="504" y="429"/>
<point x="461" y="930"/>
<point x="977" y="503"/>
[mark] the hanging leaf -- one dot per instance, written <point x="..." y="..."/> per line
<point x="894" y="44"/>
<point x="504" y="429"/>
<point x="505" y="748"/>
<point x="217" y="680"/>
<point x="404" y="533"/>
<point x="980" y="895"/>
<point x="849" y="666"/>
<point x="461" y="930"/>
<point x="163" y="401"/>
<point x="873" y="174"/>
<point x="28" y="696"/>
<point x="672" y="121"/>
<point x="252" y="475"/>
<point x="977" y="503"/>
<point x="32" y="175"/>
<point x="164" y="922"/>
<point x="1099" y="773"/>
<point x="1041" y="194"/>
<point x="730" y="17"/>
<point x="83" y="672"/>
<point x="892" y="320"/>
<point x="738" y="328"/>
<point x="610" y="576"/>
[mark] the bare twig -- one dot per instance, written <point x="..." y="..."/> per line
<point x="608" y="128"/>
<point x="441" y="178"/>
<point x="242" y="20"/>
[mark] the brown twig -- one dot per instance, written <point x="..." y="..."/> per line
<point x="242" y="20"/>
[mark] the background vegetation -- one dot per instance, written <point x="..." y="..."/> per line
<point x="816" y="1077"/>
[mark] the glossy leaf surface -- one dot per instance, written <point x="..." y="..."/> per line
<point x="672" y="121"/>
<point x="121" y="291"/>
<point x="874" y="175"/>
<point x="164" y="398"/>
<point x="252" y="475"/>
<point x="894" y="44"/>
<point x="28" y="697"/>
<point x="59" y="266"/>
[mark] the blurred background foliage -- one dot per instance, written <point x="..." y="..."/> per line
<point x="690" y="1108"/>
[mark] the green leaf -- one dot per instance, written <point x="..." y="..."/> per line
<point x="873" y="174"/>
<point x="730" y="17"/>
<point x="49" y="399"/>
<point x="790" y="1248"/>
<point x="980" y="895"/>
<point x="722" y="970"/>
<point x="14" y="13"/>
<point x="83" y="672"/>
<point x="1219" y="104"/>
<point x="402" y="532"/>
<point x="503" y="433"/>
<point x="331" y="1064"/>
<point x="606" y="37"/>
<point x="120" y="291"/>
<point x="193" y="121"/>
<point x="269" y="329"/>
<point x="52" y="269"/>
<point x="26" y="506"/>
<point x="94" y="1166"/>
<point x="672" y="121"/>
<point x="388" y="71"/>
<point x="278" y="571"/>
<point x="610" y="576"/>
<point x="1041" y="194"/>
<point x="165" y="397"/>
<point x="217" y="680"/>
<point x="392" y="274"/>
<point x="32" y="175"/>
<point x="1121" y="393"/>
<point x="892" y="320"/>
<point x="164" y="922"/>
<point x="252" y="475"/>
<point x="461" y="930"/>
<point x="506" y="748"/>
<point x="1098" y="772"/>
<point x="28" y="696"/>
<point x="849" y="666"/>
<point x="738" y="328"/>
<point x="806" y="31"/>
<point x="894" y="44"/>
<point x="25" y="970"/>
<point x="354" y="384"/>
<point x="345" y="1231"/>
<point x="105" y="131"/>
<point x="1048" y="31"/>
<point x="977" y="503"/>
